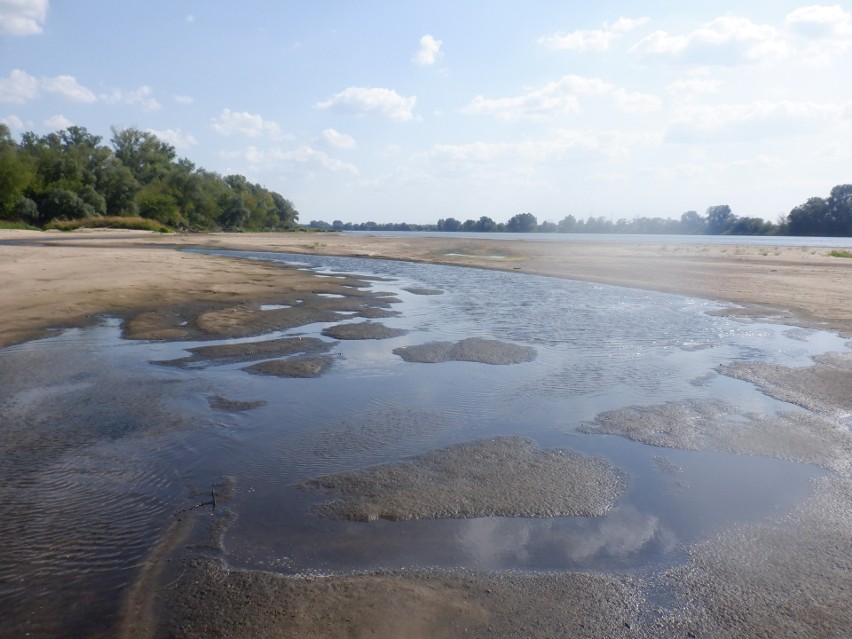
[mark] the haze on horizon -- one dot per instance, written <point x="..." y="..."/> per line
<point x="418" y="112"/>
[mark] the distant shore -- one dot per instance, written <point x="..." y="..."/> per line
<point x="54" y="280"/>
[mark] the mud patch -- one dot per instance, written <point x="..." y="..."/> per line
<point x="225" y="405"/>
<point x="472" y="349"/>
<point x="789" y="579"/>
<point x="204" y="356"/>
<point x="716" y="425"/>
<point x="825" y="387"/>
<point x="502" y="477"/>
<point x="362" y="330"/>
<point x="299" y="367"/>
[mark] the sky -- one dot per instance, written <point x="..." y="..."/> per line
<point x="414" y="111"/>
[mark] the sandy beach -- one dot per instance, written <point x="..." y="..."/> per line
<point x="184" y="589"/>
<point x="59" y="280"/>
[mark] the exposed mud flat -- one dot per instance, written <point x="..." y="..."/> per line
<point x="362" y="330"/>
<point x="212" y="601"/>
<point x="204" y="356"/>
<point x="716" y="425"/>
<point x="505" y="477"/>
<point x="226" y="405"/>
<point x="472" y="349"/>
<point x="825" y="387"/>
<point x="790" y="579"/>
<point x="298" y="367"/>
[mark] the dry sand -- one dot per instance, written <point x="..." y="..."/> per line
<point x="66" y="279"/>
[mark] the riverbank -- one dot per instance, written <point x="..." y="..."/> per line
<point x="59" y="280"/>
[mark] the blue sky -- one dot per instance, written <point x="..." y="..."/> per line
<point x="415" y="111"/>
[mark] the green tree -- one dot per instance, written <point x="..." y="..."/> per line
<point x="718" y="219"/>
<point x="146" y="156"/>
<point x="522" y="223"/>
<point x="16" y="172"/>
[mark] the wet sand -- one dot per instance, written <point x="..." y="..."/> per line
<point x="67" y="279"/>
<point x="783" y="578"/>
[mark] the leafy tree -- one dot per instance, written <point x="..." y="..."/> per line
<point x="485" y="225"/>
<point x="450" y="224"/>
<point x="691" y="222"/>
<point x="16" y="173"/>
<point x="718" y="219"/>
<point x="522" y="223"/>
<point x="61" y="203"/>
<point x="147" y="157"/>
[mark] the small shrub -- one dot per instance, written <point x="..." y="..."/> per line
<point x="840" y="253"/>
<point x="110" y="222"/>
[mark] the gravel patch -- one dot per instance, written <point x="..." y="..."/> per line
<point x="204" y="356"/>
<point x="225" y="405"/>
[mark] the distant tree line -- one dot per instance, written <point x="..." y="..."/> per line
<point x="829" y="217"/>
<point x="69" y="174"/>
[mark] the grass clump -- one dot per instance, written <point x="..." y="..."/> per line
<point x="838" y="253"/>
<point x="17" y="226"/>
<point x="110" y="222"/>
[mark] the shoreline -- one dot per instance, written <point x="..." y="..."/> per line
<point x="63" y="281"/>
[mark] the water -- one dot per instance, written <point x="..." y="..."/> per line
<point x="100" y="447"/>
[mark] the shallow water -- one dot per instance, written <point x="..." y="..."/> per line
<point x="99" y="447"/>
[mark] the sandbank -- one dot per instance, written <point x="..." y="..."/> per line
<point x="57" y="280"/>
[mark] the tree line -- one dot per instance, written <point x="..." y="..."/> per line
<point x="830" y="217"/>
<point x="70" y="174"/>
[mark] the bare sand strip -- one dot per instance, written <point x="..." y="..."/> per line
<point x="66" y="279"/>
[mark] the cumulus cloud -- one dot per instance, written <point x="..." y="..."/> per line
<point x="58" y="122"/>
<point x="248" y="124"/>
<point x="594" y="39"/>
<point x="761" y="119"/>
<point x="22" y="17"/>
<point x="175" y="137"/>
<point x="302" y="159"/>
<point x="725" y="41"/>
<point x="822" y="32"/>
<point x="429" y="51"/>
<point x="338" y="140"/>
<point x="371" y="101"/>
<point x="143" y="96"/>
<point x="561" y="98"/>
<point x="13" y="122"/>
<point x="68" y="87"/>
<point x="692" y="86"/>
<point x="19" y="87"/>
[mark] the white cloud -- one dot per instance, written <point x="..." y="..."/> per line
<point x="822" y="32"/>
<point x="141" y="96"/>
<point x="183" y="99"/>
<point x="19" y="87"/>
<point x="561" y="144"/>
<point x="371" y="101"/>
<point x="58" y="122"/>
<point x="68" y="87"/>
<point x="592" y="40"/>
<point x="175" y="137"/>
<point x="560" y="98"/>
<point x="429" y="51"/>
<point x="301" y="159"/>
<point x="761" y="119"/>
<point x="338" y="140"/>
<point x="727" y="40"/>
<point x="22" y="17"/>
<point x="691" y="86"/>
<point x="248" y="124"/>
<point x="13" y="122"/>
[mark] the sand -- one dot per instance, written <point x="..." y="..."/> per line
<point x="67" y="279"/>
<point x="471" y="349"/>
<point x="735" y="585"/>
<point x="500" y="477"/>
